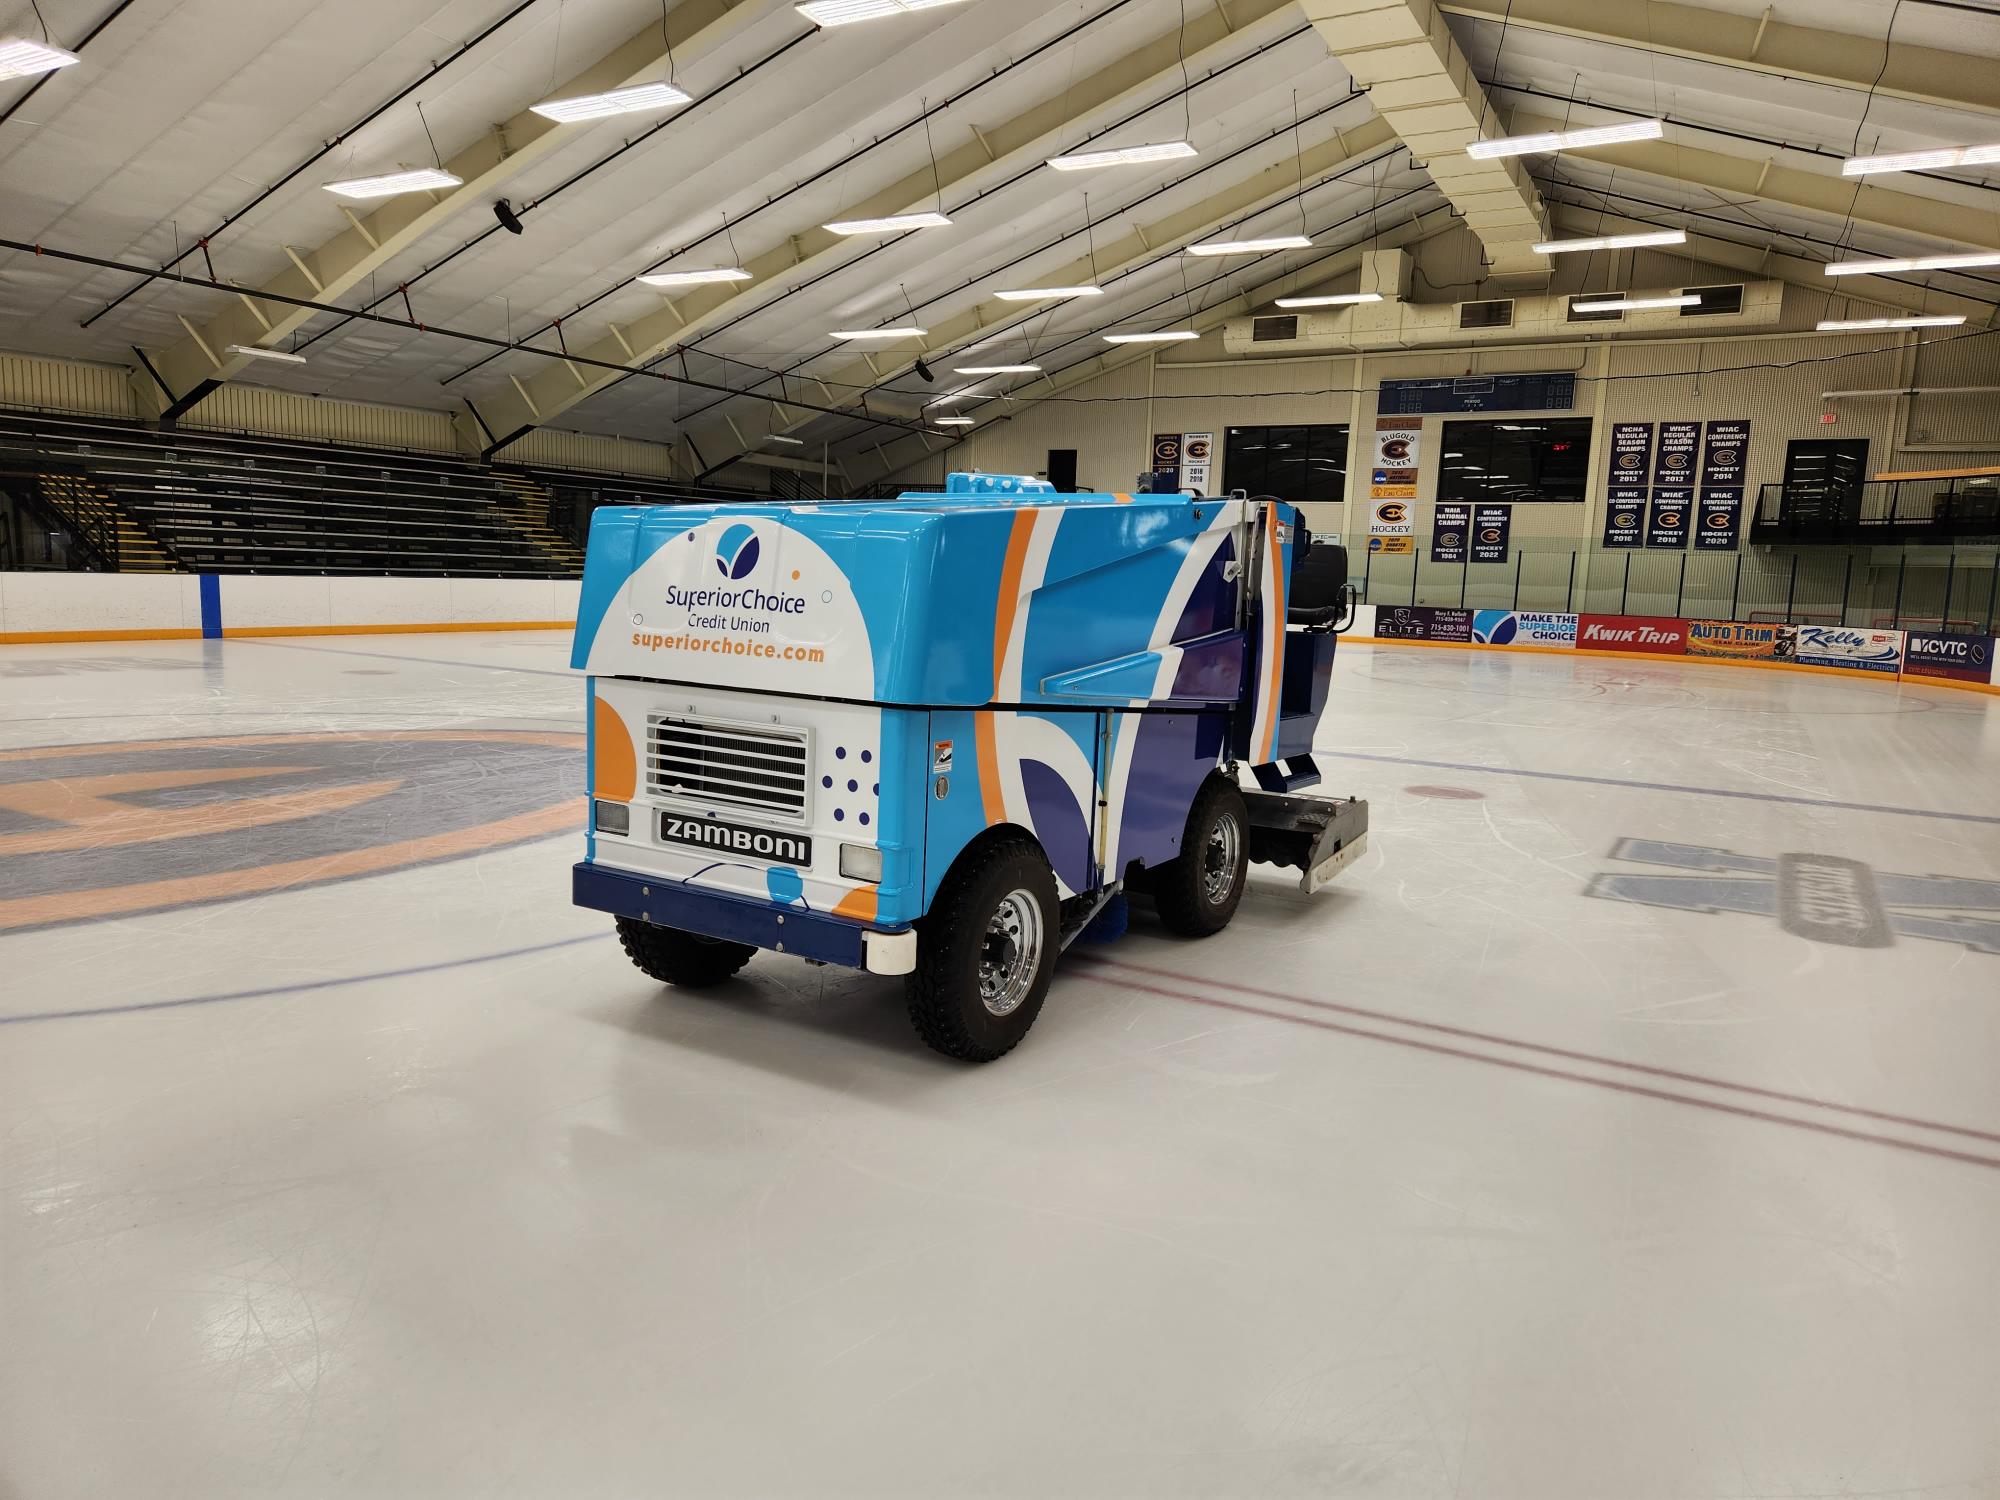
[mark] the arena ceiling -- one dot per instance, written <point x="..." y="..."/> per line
<point x="196" y="136"/>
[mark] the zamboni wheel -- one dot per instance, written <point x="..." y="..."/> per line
<point x="1197" y="893"/>
<point x="986" y="952"/>
<point x="681" y="958"/>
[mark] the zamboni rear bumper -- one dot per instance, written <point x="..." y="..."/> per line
<point x="792" y="930"/>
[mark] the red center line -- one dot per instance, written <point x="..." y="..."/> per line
<point x="1544" y="1048"/>
<point x="1743" y="1111"/>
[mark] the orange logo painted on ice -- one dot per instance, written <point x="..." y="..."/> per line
<point x="116" y="829"/>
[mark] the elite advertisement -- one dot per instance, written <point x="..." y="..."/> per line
<point x="1450" y="527"/>
<point x="1960" y="658"/>
<point x="1845" y="646"/>
<point x="1415" y="622"/>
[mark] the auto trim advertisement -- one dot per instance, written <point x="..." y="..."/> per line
<point x="1751" y="640"/>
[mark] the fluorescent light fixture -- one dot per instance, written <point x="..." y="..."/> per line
<point x="1920" y="161"/>
<point x="695" y="278"/>
<point x="637" y="99"/>
<point x="1122" y="156"/>
<point x="907" y="332"/>
<point x="996" y="369"/>
<point x="19" y="57"/>
<point x="1164" y="336"/>
<point x="1914" y="263"/>
<point x="257" y="351"/>
<point x="1870" y="325"/>
<point x="847" y="12"/>
<point x="1048" y="293"/>
<point x="1614" y="242"/>
<point x="779" y="437"/>
<point x="416" y="180"/>
<point x="1337" y="299"/>
<point x="1251" y="247"/>
<point x="893" y="224"/>
<point x="1635" y="304"/>
<point x="1566" y="140"/>
<point x="953" y="421"/>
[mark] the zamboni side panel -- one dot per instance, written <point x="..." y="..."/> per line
<point x="1096" y="790"/>
<point x="957" y="603"/>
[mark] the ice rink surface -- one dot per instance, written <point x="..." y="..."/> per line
<point x="1576" y="1143"/>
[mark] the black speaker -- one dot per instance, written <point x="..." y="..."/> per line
<point x="925" y="371"/>
<point x="509" y="220"/>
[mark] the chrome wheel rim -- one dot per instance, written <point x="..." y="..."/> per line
<point x="1218" y="859"/>
<point x="1010" y="954"/>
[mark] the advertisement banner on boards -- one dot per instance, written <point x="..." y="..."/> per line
<point x="1416" y="622"/>
<point x="1520" y="627"/>
<point x="1962" y="658"/>
<point x="1674" y="463"/>
<point x="1846" y="646"/>
<point x="1651" y="634"/>
<point x="1198" y="462"/>
<point x="1492" y="526"/>
<point x="1748" y="639"/>
<point x="1450" y="528"/>
<point x="1667" y="517"/>
<point x="1398" y="453"/>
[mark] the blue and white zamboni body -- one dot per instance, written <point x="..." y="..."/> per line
<point x="936" y="736"/>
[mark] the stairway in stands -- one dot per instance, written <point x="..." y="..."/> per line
<point x="524" y="505"/>
<point x="79" y="501"/>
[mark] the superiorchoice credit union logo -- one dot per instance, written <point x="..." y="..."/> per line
<point x="736" y="552"/>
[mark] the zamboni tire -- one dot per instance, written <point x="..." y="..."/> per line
<point x="1198" y="892"/>
<point x="986" y="952"/>
<point x="681" y="958"/>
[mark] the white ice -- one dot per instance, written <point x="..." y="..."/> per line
<point x="1451" y="1181"/>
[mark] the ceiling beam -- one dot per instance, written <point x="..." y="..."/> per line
<point x="1925" y="75"/>
<point x="988" y="161"/>
<point x="880" y="459"/>
<point x="1402" y="52"/>
<point x="1769" y="262"/>
<point x="1140" y="247"/>
<point x="1753" y="177"/>
<point x="198" y="363"/>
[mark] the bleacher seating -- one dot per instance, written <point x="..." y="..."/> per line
<point x="226" y="502"/>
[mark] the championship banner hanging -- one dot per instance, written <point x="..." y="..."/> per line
<point x="1667" y="517"/>
<point x="1725" y="454"/>
<point x="1198" y="461"/>
<point x="1450" y="528"/>
<point x="1492" y="527"/>
<point x="1626" y="484"/>
<point x="1673" y="465"/>
<point x="1166" y="462"/>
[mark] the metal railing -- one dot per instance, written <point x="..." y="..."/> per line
<point x="1905" y="510"/>
<point x="1916" y="586"/>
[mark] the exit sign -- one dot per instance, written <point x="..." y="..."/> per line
<point x="1827" y="418"/>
